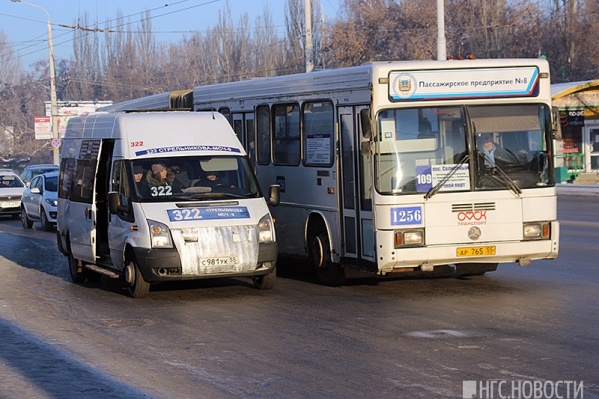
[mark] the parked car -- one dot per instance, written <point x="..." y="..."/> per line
<point x="39" y="201"/>
<point x="31" y="171"/>
<point x="11" y="191"/>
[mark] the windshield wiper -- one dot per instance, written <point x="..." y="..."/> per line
<point x="501" y="176"/>
<point x="448" y="176"/>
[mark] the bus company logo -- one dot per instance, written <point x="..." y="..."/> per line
<point x="466" y="218"/>
<point x="474" y="233"/>
<point x="404" y="85"/>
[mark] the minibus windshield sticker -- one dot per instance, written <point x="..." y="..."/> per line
<point x="186" y="148"/>
<point x="464" y="83"/>
<point x="189" y="214"/>
<point x="407" y="216"/>
<point x="428" y="176"/>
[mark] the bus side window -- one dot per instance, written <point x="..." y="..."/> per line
<point x="286" y="134"/>
<point x="263" y="134"/>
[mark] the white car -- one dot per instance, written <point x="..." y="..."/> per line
<point x="39" y="201"/>
<point x="11" y="190"/>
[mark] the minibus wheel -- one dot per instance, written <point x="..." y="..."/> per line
<point x="137" y="286"/>
<point x="267" y="281"/>
<point x="328" y="272"/>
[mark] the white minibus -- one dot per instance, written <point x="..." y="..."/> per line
<point x="138" y="200"/>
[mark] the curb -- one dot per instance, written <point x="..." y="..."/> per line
<point x="572" y="189"/>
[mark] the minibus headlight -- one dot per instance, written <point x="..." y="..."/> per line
<point x="265" y="230"/>
<point x="537" y="231"/>
<point x="51" y="202"/>
<point x="160" y="235"/>
<point x="409" y="238"/>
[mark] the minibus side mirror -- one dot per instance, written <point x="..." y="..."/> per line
<point x="274" y="195"/>
<point x="114" y="202"/>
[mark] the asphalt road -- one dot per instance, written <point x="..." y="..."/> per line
<point x="403" y="338"/>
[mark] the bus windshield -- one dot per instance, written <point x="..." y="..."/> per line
<point x="482" y="147"/>
<point x="193" y="178"/>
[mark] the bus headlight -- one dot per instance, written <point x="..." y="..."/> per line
<point x="265" y="230"/>
<point x="160" y="235"/>
<point x="409" y="238"/>
<point x="537" y="231"/>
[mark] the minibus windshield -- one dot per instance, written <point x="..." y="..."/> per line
<point x="193" y="178"/>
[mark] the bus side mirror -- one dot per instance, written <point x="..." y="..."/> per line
<point x="366" y="123"/>
<point x="556" y="126"/>
<point x="114" y="202"/>
<point x="274" y="195"/>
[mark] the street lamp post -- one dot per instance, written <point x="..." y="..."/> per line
<point x="53" y="102"/>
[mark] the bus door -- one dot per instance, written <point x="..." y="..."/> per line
<point x="243" y="124"/>
<point x="88" y="204"/>
<point x="356" y="189"/>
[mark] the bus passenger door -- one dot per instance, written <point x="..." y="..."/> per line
<point x="87" y="226"/>
<point x="243" y="124"/>
<point x="356" y="189"/>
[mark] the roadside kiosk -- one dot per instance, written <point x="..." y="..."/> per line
<point x="577" y="154"/>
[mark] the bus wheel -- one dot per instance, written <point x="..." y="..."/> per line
<point x="474" y="269"/>
<point x="329" y="273"/>
<point x="76" y="269"/>
<point x="266" y="282"/>
<point x="137" y="286"/>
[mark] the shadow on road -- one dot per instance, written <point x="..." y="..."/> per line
<point x="28" y="363"/>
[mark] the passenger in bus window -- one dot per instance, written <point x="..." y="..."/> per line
<point x="142" y="184"/>
<point x="162" y="181"/>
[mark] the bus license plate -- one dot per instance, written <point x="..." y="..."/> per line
<point x="475" y="251"/>
<point x="228" y="261"/>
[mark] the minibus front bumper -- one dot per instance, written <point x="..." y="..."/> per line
<point x="164" y="264"/>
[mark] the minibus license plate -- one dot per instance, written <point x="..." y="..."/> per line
<point x="226" y="261"/>
<point x="476" y="251"/>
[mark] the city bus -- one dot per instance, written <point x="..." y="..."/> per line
<point x="403" y="167"/>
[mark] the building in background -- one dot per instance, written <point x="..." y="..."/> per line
<point x="577" y="153"/>
<point x="67" y="110"/>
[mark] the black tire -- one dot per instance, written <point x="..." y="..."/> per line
<point x="27" y="223"/>
<point x="329" y="273"/>
<point x="474" y="269"/>
<point x="266" y="282"/>
<point x="76" y="269"/>
<point x="46" y="225"/>
<point x="137" y="286"/>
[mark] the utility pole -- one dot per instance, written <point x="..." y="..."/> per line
<point x="308" y="45"/>
<point x="53" y="101"/>
<point x="441" y="41"/>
